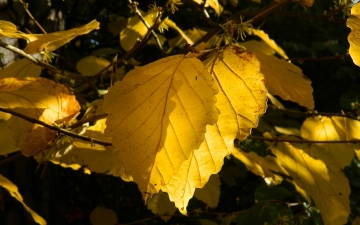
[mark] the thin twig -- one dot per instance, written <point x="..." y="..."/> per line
<point x="48" y="66"/>
<point x="311" y="113"/>
<point x="138" y="13"/>
<point x="31" y="17"/>
<point x="303" y="141"/>
<point x="11" y="159"/>
<point x="89" y="119"/>
<point x="55" y="128"/>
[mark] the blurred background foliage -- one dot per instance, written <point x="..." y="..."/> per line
<point x="314" y="38"/>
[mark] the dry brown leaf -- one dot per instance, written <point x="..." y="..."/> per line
<point x="286" y="80"/>
<point x="41" y="99"/>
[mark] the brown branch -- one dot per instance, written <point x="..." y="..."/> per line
<point x="302" y="141"/>
<point x="55" y="128"/>
<point x="311" y="113"/>
<point x="89" y="119"/>
<point x="11" y="159"/>
<point x="48" y="66"/>
<point x="25" y="5"/>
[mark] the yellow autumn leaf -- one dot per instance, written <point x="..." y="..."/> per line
<point x="212" y="3"/>
<point x="322" y="129"/>
<point x="237" y="75"/>
<point x="286" y="80"/>
<point x="265" y="37"/>
<point x="210" y="193"/>
<point x="52" y="41"/>
<point x="347" y="129"/>
<point x="8" y="29"/>
<point x="353" y="22"/>
<point x="157" y="117"/>
<point x="103" y="216"/>
<point x="160" y="204"/>
<point x="258" y="46"/>
<point x="7" y="143"/>
<point x="314" y="170"/>
<point x="91" y="65"/>
<point x="135" y="29"/>
<point x="13" y="191"/>
<point x="21" y="69"/>
<point x="41" y="99"/>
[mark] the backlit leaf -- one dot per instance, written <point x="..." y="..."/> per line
<point x="323" y="129"/>
<point x="9" y="29"/>
<point x="210" y="193"/>
<point x="160" y="204"/>
<point x="91" y="65"/>
<point x="286" y="80"/>
<point x="52" y="41"/>
<point x="265" y="37"/>
<point x="237" y="76"/>
<point x="21" y="69"/>
<point x="354" y="37"/>
<point x="13" y="190"/>
<point x="157" y="117"/>
<point x="258" y="46"/>
<point x="134" y="30"/>
<point x="103" y="216"/>
<point x="316" y="171"/>
<point x="41" y="99"/>
<point x="212" y="3"/>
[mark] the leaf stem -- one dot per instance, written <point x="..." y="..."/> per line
<point x="55" y="128"/>
<point x="31" y="17"/>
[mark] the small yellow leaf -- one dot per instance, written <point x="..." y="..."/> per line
<point x="265" y="37"/>
<point x="91" y="65"/>
<point x="258" y="46"/>
<point x="286" y="80"/>
<point x="322" y="129"/>
<point x="212" y="3"/>
<point x="353" y="22"/>
<point x="9" y="29"/>
<point x="21" y="69"/>
<point x="134" y="30"/>
<point x="237" y="75"/>
<point x="157" y="117"/>
<point x="210" y="193"/>
<point x="317" y="172"/>
<point x="52" y="41"/>
<point x="13" y="190"/>
<point x="160" y="204"/>
<point x="41" y="99"/>
<point x="103" y="216"/>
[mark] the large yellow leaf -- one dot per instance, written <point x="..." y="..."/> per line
<point x="21" y="69"/>
<point x="41" y="99"/>
<point x="314" y="170"/>
<point x="7" y="143"/>
<point x="258" y="46"/>
<point x="354" y="37"/>
<point x="322" y="129"/>
<point x="134" y="30"/>
<point x="157" y="117"/>
<point x="52" y="41"/>
<point x="237" y="75"/>
<point x="286" y="80"/>
<point x="13" y="190"/>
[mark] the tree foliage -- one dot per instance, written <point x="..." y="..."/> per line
<point x="183" y="109"/>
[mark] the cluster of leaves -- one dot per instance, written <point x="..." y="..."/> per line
<point x="168" y="125"/>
